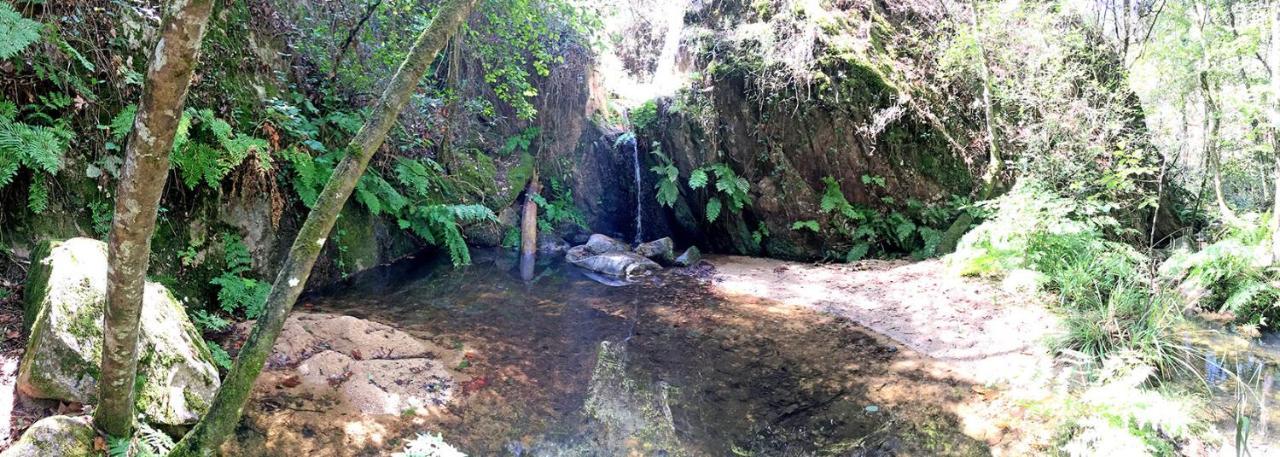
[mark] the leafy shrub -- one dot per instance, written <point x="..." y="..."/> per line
<point x="857" y="231"/>
<point x="1233" y="275"/>
<point x="36" y="148"/>
<point x="236" y="293"/>
<point x="1116" y="415"/>
<point x="728" y="185"/>
<point x="206" y="149"/>
<point x="1103" y="287"/>
<point x="559" y="209"/>
<point x="16" y="32"/>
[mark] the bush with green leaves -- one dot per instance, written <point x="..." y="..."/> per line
<point x="31" y="138"/>
<point x="1103" y="287"/>
<point x="559" y="210"/>
<point x="1117" y="414"/>
<point x="237" y="294"/>
<point x="1233" y="275"/>
<point x="856" y="231"/>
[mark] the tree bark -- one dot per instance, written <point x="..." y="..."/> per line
<point x="529" y="229"/>
<point x="1274" y="114"/>
<point x="137" y="199"/>
<point x="995" y="162"/>
<point x="1212" y="112"/>
<point x="229" y="402"/>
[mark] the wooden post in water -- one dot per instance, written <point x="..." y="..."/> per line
<point x="529" y="229"/>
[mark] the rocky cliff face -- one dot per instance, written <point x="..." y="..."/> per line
<point x="789" y="93"/>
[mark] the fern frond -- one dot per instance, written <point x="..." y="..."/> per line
<point x="1245" y="295"/>
<point x="38" y="195"/>
<point x="16" y="32"/>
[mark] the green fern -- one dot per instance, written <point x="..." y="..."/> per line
<point x="39" y="149"/>
<point x="237" y="293"/>
<point x="210" y="162"/>
<point x="16" y="32"/>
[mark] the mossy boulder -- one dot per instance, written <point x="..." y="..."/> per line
<point x="67" y="293"/>
<point x="63" y="436"/>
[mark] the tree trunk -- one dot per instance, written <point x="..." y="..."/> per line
<point x="229" y="402"/>
<point x="1273" y="63"/>
<point x="529" y="229"/>
<point x="995" y="162"/>
<point x="1212" y="114"/>
<point x="137" y="199"/>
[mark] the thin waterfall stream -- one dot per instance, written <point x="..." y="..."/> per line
<point x="635" y="160"/>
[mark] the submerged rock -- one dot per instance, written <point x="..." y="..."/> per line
<point x="621" y="264"/>
<point x="690" y="257"/>
<point x="661" y="250"/>
<point x="364" y="366"/>
<point x="600" y="244"/>
<point x="67" y="292"/>
<point x="62" y="436"/>
<point x="552" y="244"/>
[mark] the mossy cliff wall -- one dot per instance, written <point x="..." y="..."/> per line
<point x="853" y="104"/>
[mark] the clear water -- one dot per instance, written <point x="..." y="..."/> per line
<point x="573" y="366"/>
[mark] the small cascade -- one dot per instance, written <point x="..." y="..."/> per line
<point x="635" y="160"/>
<point x="666" y="80"/>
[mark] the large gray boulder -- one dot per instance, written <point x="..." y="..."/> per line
<point x="621" y="264"/>
<point x="66" y="295"/>
<point x="62" y="436"/>
<point x="601" y="244"/>
<point x="662" y="250"/>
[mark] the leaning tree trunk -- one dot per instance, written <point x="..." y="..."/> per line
<point x="229" y="402"/>
<point x="137" y="198"/>
<point x="995" y="162"/>
<point x="1274" y="111"/>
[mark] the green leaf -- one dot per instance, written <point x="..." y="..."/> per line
<point x="810" y="225"/>
<point x="713" y="209"/>
<point x="857" y="252"/>
<point x="698" y="179"/>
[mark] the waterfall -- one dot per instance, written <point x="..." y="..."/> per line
<point x="635" y="160"/>
<point x="665" y="78"/>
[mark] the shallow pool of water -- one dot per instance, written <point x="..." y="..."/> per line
<point x="565" y="365"/>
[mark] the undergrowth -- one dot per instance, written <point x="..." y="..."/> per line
<point x="1234" y="275"/>
<point x="857" y="231"/>
<point x="1103" y="288"/>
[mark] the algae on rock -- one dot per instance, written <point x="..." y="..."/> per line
<point x="65" y="303"/>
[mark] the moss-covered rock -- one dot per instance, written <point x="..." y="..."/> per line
<point x="65" y="302"/>
<point x="62" y="436"/>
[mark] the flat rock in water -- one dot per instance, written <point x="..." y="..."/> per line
<point x="621" y="264"/>
<point x="66" y="296"/>
<point x="661" y="250"/>
<point x="360" y="365"/>
<point x="62" y="436"/>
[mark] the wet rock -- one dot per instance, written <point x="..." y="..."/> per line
<point x="661" y="250"/>
<point x="552" y="244"/>
<point x="67" y="292"/>
<point x="575" y="255"/>
<point x="690" y="257"/>
<point x="600" y="244"/>
<point x="621" y="264"/>
<point x="625" y="415"/>
<point x="363" y="366"/>
<point x="63" y="436"/>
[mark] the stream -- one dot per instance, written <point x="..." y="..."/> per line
<point x="664" y="367"/>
